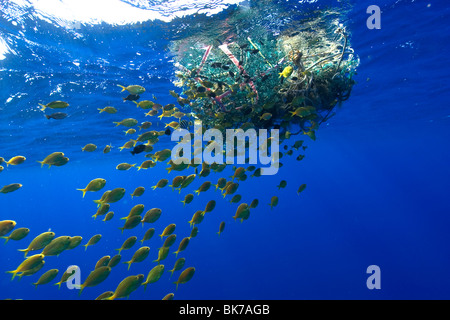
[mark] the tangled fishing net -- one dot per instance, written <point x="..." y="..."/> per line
<point x="292" y="80"/>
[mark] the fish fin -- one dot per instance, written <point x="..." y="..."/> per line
<point x="14" y="272"/>
<point x="24" y="250"/>
<point x="123" y="88"/>
<point x="83" y="190"/>
<point x="129" y="264"/>
<point x="81" y="290"/>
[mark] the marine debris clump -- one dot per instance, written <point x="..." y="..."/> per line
<point x="291" y="81"/>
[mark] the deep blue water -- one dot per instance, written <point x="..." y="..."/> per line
<point x="377" y="176"/>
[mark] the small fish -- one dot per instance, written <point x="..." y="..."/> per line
<point x="151" y="215"/>
<point x="282" y="184"/>
<point x="286" y="72"/>
<point x="57" y="116"/>
<point x="139" y="191"/>
<point x="154" y="275"/>
<point x="124" y="166"/>
<point x="131" y="97"/>
<point x="94" y="185"/>
<point x="183" y="245"/>
<point x="47" y="277"/>
<point x="138" y="149"/>
<point x="185" y="276"/>
<point x="254" y="51"/>
<point x="168" y="230"/>
<point x="10" y="188"/>
<point x="127" y="286"/>
<point x="90" y="147"/>
<point x="110" y="110"/>
<point x="16" y="160"/>
<point x="301" y="188"/>
<point x="104" y="208"/>
<point x="127" y="244"/>
<point x="6" y="226"/>
<point x="114" y="261"/>
<point x="161" y="184"/>
<point x="54" y="105"/>
<point x="273" y="202"/>
<point x="128" y="122"/>
<point x="133" y="89"/>
<point x="221" y="227"/>
<point x="16" y="235"/>
<point x="179" y="264"/>
<point x="148" y="235"/>
<point x="93" y="240"/>
<point x="96" y="277"/>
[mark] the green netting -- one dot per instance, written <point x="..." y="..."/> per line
<point x="292" y="80"/>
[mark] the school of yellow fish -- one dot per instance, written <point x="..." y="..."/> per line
<point x="49" y="244"/>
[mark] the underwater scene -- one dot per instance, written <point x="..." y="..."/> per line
<point x="224" y="150"/>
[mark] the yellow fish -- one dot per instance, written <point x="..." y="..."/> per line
<point x="286" y="72"/>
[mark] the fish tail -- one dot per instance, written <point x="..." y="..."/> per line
<point x="82" y="190"/>
<point x="42" y="163"/>
<point x="117" y="123"/>
<point x="177" y="285"/>
<point x="48" y="117"/>
<point x="43" y="106"/>
<point x="123" y="88"/>
<point x="94" y="216"/>
<point x="14" y="272"/>
<point x="137" y="104"/>
<point x="85" y="247"/>
<point x="101" y="110"/>
<point x="6" y="239"/>
<point x="81" y="290"/>
<point x="24" y="250"/>
<point x="129" y="264"/>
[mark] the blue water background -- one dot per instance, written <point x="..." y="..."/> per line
<point x="377" y="181"/>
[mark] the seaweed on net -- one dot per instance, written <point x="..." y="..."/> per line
<point x="233" y="84"/>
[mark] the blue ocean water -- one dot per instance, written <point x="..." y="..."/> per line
<point x="377" y="176"/>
